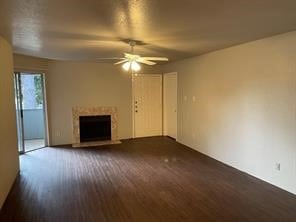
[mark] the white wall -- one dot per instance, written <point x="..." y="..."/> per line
<point x="71" y="84"/>
<point x="9" y="164"/>
<point x="29" y="63"/>
<point x="245" y="109"/>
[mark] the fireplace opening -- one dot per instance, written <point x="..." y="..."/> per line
<point x="95" y="128"/>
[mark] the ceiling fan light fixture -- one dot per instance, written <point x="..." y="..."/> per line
<point x="126" y="66"/>
<point x="135" y="66"/>
<point x="133" y="62"/>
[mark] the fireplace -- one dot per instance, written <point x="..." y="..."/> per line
<point x="95" y="128"/>
<point x="89" y="117"/>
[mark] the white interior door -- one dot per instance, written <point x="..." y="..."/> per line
<point x="170" y="104"/>
<point x="147" y="92"/>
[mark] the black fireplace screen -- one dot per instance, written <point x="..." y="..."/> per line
<point x="95" y="128"/>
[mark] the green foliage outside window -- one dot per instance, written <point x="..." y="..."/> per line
<point x="38" y="87"/>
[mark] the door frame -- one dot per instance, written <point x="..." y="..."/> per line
<point x="19" y="112"/>
<point x="134" y="75"/>
<point x="45" y="112"/>
<point x="163" y="102"/>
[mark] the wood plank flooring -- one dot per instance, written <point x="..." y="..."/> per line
<point x="142" y="180"/>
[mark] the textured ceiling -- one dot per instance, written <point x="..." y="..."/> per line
<point x="89" y="29"/>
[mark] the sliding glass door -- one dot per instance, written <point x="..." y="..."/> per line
<point x="30" y="111"/>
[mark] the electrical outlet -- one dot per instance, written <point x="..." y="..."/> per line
<point x="278" y="166"/>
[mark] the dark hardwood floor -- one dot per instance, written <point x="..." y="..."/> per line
<point x="142" y="180"/>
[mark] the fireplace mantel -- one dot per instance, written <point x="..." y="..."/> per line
<point x="94" y="111"/>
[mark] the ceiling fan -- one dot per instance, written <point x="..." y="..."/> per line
<point x="131" y="61"/>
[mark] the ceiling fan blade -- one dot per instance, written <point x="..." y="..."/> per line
<point x="156" y="58"/>
<point x="122" y="61"/>
<point x="145" y="62"/>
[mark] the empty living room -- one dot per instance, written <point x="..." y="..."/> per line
<point x="147" y="111"/>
